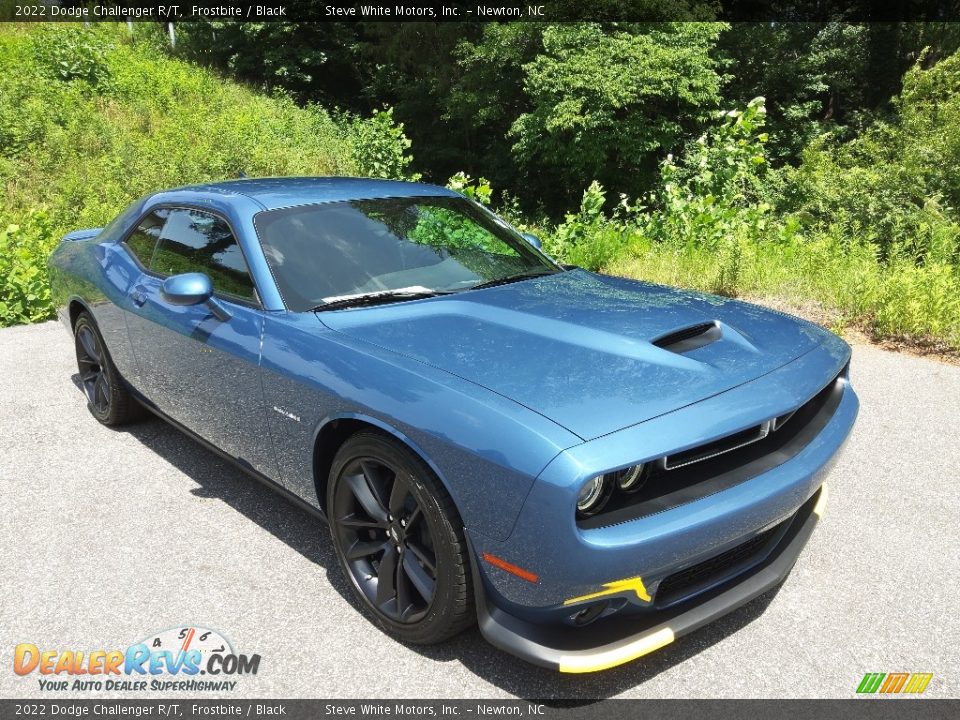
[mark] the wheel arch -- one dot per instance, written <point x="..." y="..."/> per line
<point x="334" y="430"/>
<point x="76" y="306"/>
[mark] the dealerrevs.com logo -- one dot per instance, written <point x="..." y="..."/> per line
<point x="185" y="658"/>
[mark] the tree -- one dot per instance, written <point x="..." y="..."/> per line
<point x="313" y="62"/>
<point x="608" y="103"/>
<point x="825" y="76"/>
<point x="411" y="68"/>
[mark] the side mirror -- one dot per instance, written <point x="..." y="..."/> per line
<point x="192" y="289"/>
<point x="533" y="240"/>
<point x="187" y="289"/>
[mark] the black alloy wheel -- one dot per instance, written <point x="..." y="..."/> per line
<point x="399" y="539"/>
<point x="108" y="399"/>
<point x="93" y="376"/>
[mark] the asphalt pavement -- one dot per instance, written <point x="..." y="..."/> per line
<point x="111" y="536"/>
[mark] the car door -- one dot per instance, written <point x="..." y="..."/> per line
<point x="199" y="367"/>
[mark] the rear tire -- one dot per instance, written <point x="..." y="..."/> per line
<point x="108" y="399"/>
<point x="399" y="540"/>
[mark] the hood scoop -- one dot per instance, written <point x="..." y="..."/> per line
<point x="578" y="348"/>
<point x="690" y="338"/>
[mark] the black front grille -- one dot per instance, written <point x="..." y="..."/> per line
<point x="717" y="447"/>
<point x="725" y="566"/>
<point x="720" y="464"/>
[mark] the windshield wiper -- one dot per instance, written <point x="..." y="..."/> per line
<point x="511" y="278"/>
<point x="377" y="298"/>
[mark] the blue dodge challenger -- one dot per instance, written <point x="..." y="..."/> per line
<point x="587" y="466"/>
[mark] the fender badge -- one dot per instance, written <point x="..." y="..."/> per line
<point x="285" y="413"/>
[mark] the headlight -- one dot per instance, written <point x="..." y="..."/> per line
<point x="630" y="479"/>
<point x="593" y="495"/>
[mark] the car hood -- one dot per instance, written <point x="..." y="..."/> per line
<point x="579" y="348"/>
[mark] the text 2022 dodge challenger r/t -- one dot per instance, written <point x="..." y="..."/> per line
<point x="588" y="466"/>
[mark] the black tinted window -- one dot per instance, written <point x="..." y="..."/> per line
<point x="325" y="252"/>
<point x="195" y="241"/>
<point x="144" y="239"/>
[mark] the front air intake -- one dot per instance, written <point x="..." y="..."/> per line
<point x="689" y="338"/>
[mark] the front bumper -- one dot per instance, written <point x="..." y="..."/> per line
<point x="620" y="640"/>
<point x="573" y="562"/>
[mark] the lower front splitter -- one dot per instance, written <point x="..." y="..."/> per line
<point x="593" y="648"/>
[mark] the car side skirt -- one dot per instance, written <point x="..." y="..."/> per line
<point x="239" y="463"/>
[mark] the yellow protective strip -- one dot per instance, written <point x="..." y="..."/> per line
<point x="634" y="585"/>
<point x="618" y="656"/>
<point x="821" y="501"/>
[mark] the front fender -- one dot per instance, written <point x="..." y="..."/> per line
<point x="485" y="449"/>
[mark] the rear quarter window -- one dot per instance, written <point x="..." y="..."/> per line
<point x="143" y="240"/>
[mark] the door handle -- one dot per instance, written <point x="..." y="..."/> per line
<point x="138" y="297"/>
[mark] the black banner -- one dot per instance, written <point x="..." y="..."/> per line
<point x="854" y="709"/>
<point x="478" y="10"/>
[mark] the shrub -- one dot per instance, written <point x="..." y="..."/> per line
<point x="479" y="189"/>
<point x="896" y="185"/>
<point x="715" y="193"/>
<point x="603" y="101"/>
<point x="24" y="286"/>
<point x="380" y="146"/>
<point x="586" y="238"/>
<point x="859" y="243"/>
<point x="919" y="303"/>
<point x="74" y="54"/>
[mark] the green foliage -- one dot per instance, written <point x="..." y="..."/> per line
<point x="442" y="227"/>
<point x="479" y="189"/>
<point x="896" y="185"/>
<point x="310" y="61"/>
<point x="716" y="188"/>
<point x="601" y="101"/>
<point x="24" y="287"/>
<point x="74" y="54"/>
<point x="380" y="146"/>
<point x="586" y="238"/>
<point x="410" y="66"/>
<point x="712" y="198"/>
<point x="919" y="302"/>
<point x="542" y="109"/>
<point x="604" y="102"/>
<point x="863" y="240"/>
<point x="126" y="120"/>
<point x="866" y="223"/>
<point x="817" y="77"/>
<point x="845" y="282"/>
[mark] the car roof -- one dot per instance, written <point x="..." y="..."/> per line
<point x="281" y="192"/>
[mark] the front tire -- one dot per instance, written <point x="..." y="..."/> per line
<point x="400" y="540"/>
<point x="108" y="399"/>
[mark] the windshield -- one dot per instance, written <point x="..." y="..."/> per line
<point x="334" y="252"/>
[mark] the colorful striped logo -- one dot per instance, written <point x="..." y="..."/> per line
<point x="891" y="683"/>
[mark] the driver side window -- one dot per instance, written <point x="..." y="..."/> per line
<point x="197" y="241"/>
